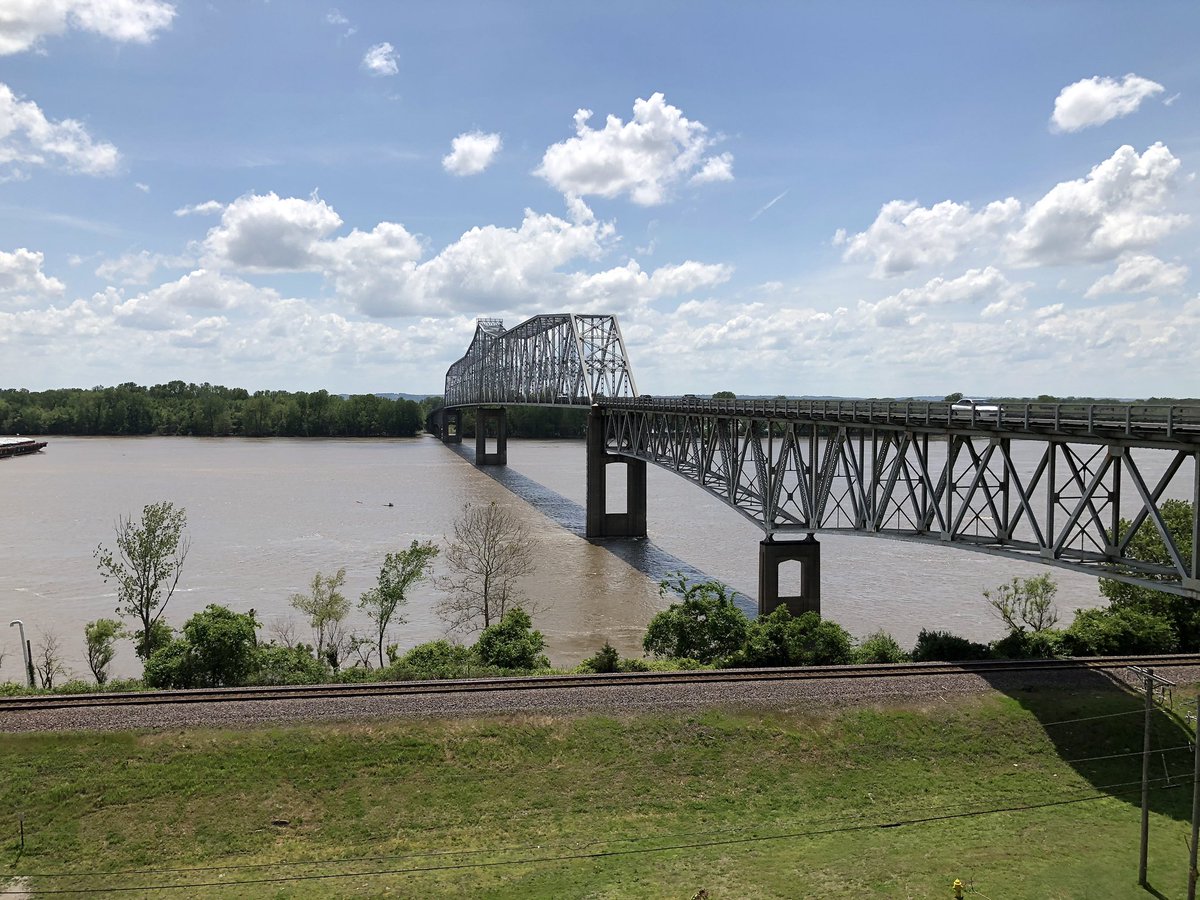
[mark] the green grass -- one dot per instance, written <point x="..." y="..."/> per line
<point x="741" y="803"/>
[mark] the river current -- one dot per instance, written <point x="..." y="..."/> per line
<point x="265" y="515"/>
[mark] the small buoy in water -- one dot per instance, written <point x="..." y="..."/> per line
<point x="391" y="504"/>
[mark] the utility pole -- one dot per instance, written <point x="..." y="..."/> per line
<point x="1195" y="806"/>
<point x="1148" y="681"/>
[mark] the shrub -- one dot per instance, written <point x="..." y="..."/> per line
<point x="224" y="646"/>
<point x="606" y="659"/>
<point x="277" y="664"/>
<point x="704" y="626"/>
<point x="170" y="666"/>
<point x="942" y="646"/>
<point x="781" y="639"/>
<point x="1044" y="644"/>
<point x="1113" y="631"/>
<point x="879" y="647"/>
<point x="161" y="634"/>
<point x="512" y="643"/>
<point x="437" y="655"/>
<point x="218" y="649"/>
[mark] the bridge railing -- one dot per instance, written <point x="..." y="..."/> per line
<point x="1169" y="422"/>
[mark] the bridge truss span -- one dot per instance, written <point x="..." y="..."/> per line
<point x="551" y="360"/>
<point x="1071" y="494"/>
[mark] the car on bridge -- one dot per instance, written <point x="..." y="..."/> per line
<point x="974" y="408"/>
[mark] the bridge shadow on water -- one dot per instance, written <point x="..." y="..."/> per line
<point x="642" y="553"/>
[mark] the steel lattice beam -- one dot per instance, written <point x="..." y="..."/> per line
<point x="790" y="471"/>
<point x="928" y="472"/>
<point x="554" y="360"/>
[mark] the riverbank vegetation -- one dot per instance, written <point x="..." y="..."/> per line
<point x="206" y="410"/>
<point x="702" y="625"/>
<point x="1034" y="794"/>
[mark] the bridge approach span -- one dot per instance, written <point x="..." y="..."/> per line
<point x="1085" y="479"/>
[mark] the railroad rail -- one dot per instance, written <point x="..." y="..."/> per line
<point x="557" y="682"/>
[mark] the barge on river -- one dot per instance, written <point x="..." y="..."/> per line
<point x="19" y="446"/>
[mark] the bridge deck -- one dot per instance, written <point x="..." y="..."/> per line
<point x="1142" y="424"/>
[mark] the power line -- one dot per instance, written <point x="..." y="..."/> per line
<point x="280" y="879"/>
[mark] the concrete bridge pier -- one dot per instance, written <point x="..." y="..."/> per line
<point x="600" y="522"/>
<point x="770" y="555"/>
<point x="450" y="422"/>
<point x="491" y="418"/>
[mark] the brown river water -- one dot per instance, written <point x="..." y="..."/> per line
<point x="264" y="515"/>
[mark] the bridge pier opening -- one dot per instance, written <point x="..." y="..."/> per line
<point x="491" y="419"/>
<point x="601" y="522"/>
<point x="451" y="425"/>
<point x="771" y="554"/>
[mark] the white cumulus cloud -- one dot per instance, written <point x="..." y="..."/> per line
<point x="643" y="158"/>
<point x="28" y="138"/>
<point x="1141" y="274"/>
<point x="1094" y="101"/>
<point x="907" y="306"/>
<point x="1119" y="206"/>
<point x="23" y="23"/>
<point x="380" y="60"/>
<point x="22" y="282"/>
<point x="268" y="233"/>
<point x="906" y="235"/>
<point x="471" y="153"/>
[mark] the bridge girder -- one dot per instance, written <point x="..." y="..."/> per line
<point x="790" y="472"/>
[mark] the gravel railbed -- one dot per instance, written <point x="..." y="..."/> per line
<point x="797" y="695"/>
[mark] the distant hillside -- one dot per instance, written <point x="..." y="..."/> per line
<point x="414" y="397"/>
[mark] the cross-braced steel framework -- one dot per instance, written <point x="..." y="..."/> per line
<point x="552" y="360"/>
<point x="1086" y="479"/>
<point x="1064" y="484"/>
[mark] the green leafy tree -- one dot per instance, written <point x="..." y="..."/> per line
<point x="1119" y="630"/>
<point x="781" y="639"/>
<point x="512" y="643"/>
<point x="705" y="625"/>
<point x="1025" y="604"/>
<point x="490" y="551"/>
<point x="218" y="648"/>
<point x="146" y="565"/>
<point x="400" y="572"/>
<point x="326" y="607"/>
<point x="100" y="638"/>
<point x="724" y="395"/>
<point x="1148" y="546"/>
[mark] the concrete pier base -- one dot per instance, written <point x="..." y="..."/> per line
<point x="451" y="426"/>
<point x="495" y="420"/>
<point x="770" y="554"/>
<point x="600" y="522"/>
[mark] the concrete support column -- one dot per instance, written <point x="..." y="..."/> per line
<point x="485" y="417"/>
<point x="770" y="555"/>
<point x="600" y="522"/>
<point x="451" y="422"/>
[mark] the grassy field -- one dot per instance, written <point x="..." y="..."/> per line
<point x="893" y="801"/>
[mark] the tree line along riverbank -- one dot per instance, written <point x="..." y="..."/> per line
<point x="213" y="410"/>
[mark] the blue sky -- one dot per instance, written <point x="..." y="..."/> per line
<point x="853" y="199"/>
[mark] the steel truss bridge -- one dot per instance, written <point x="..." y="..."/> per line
<point x="1065" y="484"/>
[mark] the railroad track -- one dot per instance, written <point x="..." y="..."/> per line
<point x="528" y="683"/>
